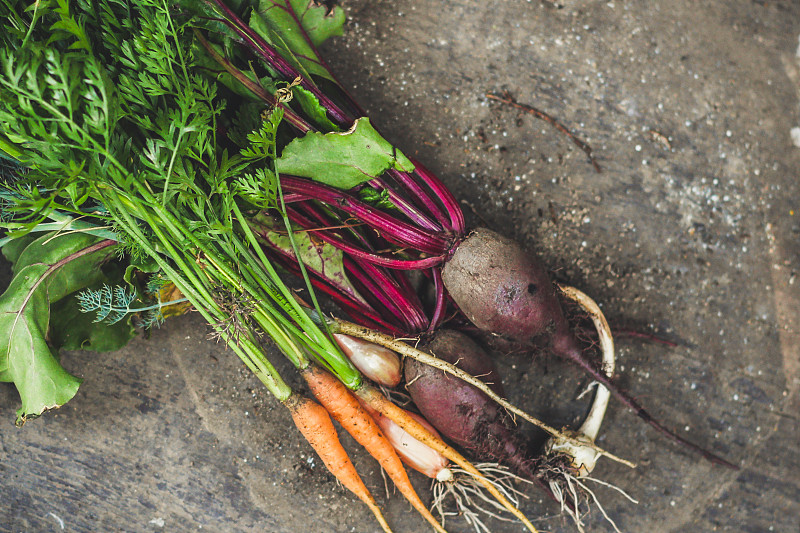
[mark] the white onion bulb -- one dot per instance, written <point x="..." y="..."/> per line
<point x="379" y="364"/>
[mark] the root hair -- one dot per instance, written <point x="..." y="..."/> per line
<point x="470" y="499"/>
<point x="574" y="494"/>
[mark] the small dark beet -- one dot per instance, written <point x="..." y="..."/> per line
<point x="461" y="412"/>
<point x="501" y="288"/>
<point x="459" y="349"/>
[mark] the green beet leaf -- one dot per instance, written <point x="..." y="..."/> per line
<point x="13" y="249"/>
<point x="319" y="257"/>
<point x="49" y="268"/>
<point x="342" y="160"/>
<point x="309" y="103"/>
<point x="51" y="248"/>
<point x="71" y="329"/>
<point x="40" y="380"/>
<point x="289" y="25"/>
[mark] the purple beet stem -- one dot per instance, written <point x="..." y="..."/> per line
<point x="439" y="189"/>
<point x="391" y="229"/>
<point x="411" y="314"/>
<point x="414" y="188"/>
<point x="407" y="208"/>
<point x="568" y="348"/>
<point x="320" y="221"/>
<point x="392" y="290"/>
<point x="271" y="56"/>
<point x="362" y="311"/>
<point x="356" y="252"/>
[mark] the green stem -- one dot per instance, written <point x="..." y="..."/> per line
<point x="169" y="170"/>
<point x="199" y="296"/>
<point x="204" y="303"/>
<point x="288" y="345"/>
<point x="266" y="373"/>
<point x="323" y="345"/>
<point x="159" y="305"/>
<point x="178" y="47"/>
<point x="300" y="263"/>
<point x="291" y="303"/>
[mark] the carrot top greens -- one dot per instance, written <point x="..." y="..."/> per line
<point x="120" y="157"/>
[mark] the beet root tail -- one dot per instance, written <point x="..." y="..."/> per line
<point x="572" y="353"/>
<point x="644" y="415"/>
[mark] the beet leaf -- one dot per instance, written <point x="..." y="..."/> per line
<point x="45" y="271"/>
<point x="342" y="160"/>
<point x="296" y="27"/>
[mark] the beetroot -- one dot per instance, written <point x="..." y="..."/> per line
<point x="402" y="219"/>
<point x="501" y="288"/>
<point x="504" y="290"/>
<point x="460" y="411"/>
<point x="459" y="349"/>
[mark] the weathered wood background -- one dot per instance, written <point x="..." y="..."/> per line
<point x="692" y="230"/>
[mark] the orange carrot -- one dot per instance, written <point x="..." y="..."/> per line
<point x="377" y="401"/>
<point x="346" y="410"/>
<point x="314" y="423"/>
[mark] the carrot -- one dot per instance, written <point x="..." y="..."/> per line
<point x="377" y="401"/>
<point x="314" y="423"/>
<point x="345" y="409"/>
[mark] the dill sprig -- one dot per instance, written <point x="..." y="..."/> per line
<point x="110" y="304"/>
<point x="113" y="304"/>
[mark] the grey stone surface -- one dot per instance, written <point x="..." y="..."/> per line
<point x="691" y="230"/>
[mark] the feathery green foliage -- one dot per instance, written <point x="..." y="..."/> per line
<point x="103" y="104"/>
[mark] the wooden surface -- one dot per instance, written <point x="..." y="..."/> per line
<point x="691" y="230"/>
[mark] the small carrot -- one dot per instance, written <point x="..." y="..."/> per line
<point x="377" y="401"/>
<point x="345" y="409"/>
<point x="314" y="423"/>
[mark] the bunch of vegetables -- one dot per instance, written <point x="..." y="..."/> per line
<point x="183" y="156"/>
